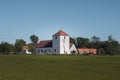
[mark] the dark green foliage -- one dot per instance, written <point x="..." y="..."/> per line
<point x="73" y="40"/>
<point x="95" y="39"/>
<point x="34" y="39"/>
<point x="31" y="47"/>
<point x="19" y="44"/>
<point x="82" y="42"/>
<point x="110" y="38"/>
<point x="101" y="51"/>
<point x="110" y="47"/>
<point x="6" y="48"/>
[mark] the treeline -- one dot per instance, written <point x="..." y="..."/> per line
<point x="16" y="48"/>
<point x="108" y="47"/>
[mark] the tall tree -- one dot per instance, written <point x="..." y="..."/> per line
<point x="101" y="51"/>
<point x="31" y="47"/>
<point x="95" y="42"/>
<point x="19" y="44"/>
<point x="82" y="42"/>
<point x="6" y="48"/>
<point x="95" y="39"/>
<point x="110" y="38"/>
<point x="0" y="48"/>
<point x="34" y="39"/>
<point x="111" y="46"/>
<point x="73" y="40"/>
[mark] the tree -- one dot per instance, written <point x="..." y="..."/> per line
<point x="108" y="48"/>
<point x="110" y="38"/>
<point x="0" y="48"/>
<point x="111" y="46"/>
<point x="19" y="44"/>
<point x="116" y="47"/>
<point x="95" y="39"/>
<point x="82" y="42"/>
<point x="73" y="40"/>
<point x="6" y="48"/>
<point x="34" y="39"/>
<point x="101" y="51"/>
<point x="31" y="47"/>
<point x="95" y="42"/>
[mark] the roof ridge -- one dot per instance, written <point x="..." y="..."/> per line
<point x="61" y="33"/>
<point x="46" y="40"/>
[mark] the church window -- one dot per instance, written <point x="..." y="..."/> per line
<point x="55" y="50"/>
<point x="64" y="37"/>
<point x="56" y="37"/>
<point x="45" y="51"/>
<point x="38" y="51"/>
<point x="41" y="50"/>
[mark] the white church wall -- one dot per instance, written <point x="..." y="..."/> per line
<point x="64" y="45"/>
<point x="60" y="45"/>
<point x="56" y="44"/>
<point x="73" y="48"/>
<point x="44" y="50"/>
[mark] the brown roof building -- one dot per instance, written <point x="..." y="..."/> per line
<point x="60" y="44"/>
<point x="87" y="51"/>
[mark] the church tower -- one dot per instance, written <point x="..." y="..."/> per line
<point x="61" y="43"/>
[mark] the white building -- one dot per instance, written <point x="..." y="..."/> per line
<point x="25" y="50"/>
<point x="60" y="44"/>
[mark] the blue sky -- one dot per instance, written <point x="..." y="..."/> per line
<point x="84" y="18"/>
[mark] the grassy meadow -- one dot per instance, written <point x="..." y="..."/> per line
<point x="57" y="67"/>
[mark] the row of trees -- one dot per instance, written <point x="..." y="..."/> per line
<point x="110" y="46"/>
<point x="7" y="48"/>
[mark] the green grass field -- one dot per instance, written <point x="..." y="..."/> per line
<point x="49" y="67"/>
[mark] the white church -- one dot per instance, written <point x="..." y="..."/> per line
<point x="60" y="44"/>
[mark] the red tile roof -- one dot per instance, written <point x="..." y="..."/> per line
<point x="44" y="44"/>
<point x="24" y="48"/>
<point x="87" y="50"/>
<point x="61" y="33"/>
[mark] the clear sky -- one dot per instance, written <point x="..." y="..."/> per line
<point x="84" y="18"/>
